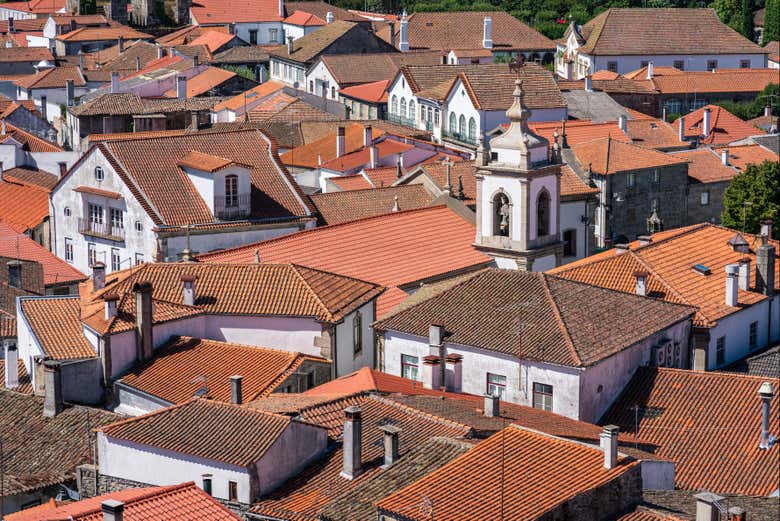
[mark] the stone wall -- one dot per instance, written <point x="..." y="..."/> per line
<point x="711" y="212"/>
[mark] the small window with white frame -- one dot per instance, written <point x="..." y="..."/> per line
<point x="631" y="180"/>
<point x="139" y="226"/>
<point x="139" y="258"/>
<point x="410" y="367"/>
<point x="99" y="174"/>
<point x="543" y="396"/>
<point x="66" y="211"/>
<point x="116" y="261"/>
<point x="68" y="249"/>
<point x="704" y="198"/>
<point x="720" y="351"/>
<point x="496" y="385"/>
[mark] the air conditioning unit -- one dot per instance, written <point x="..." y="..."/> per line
<point x="660" y="356"/>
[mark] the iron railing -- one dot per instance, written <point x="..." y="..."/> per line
<point x="232" y="207"/>
<point x="102" y="230"/>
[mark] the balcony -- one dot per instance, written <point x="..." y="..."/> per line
<point x="101" y="230"/>
<point x="460" y="137"/>
<point x="232" y="208"/>
<point x="401" y="120"/>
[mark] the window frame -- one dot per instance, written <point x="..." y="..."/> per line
<point x="744" y="64"/>
<point x="207" y="484"/>
<point x="704" y="198"/>
<point x="753" y="336"/>
<point x="569" y="246"/>
<point x="231" y="191"/>
<point x="91" y="253"/>
<point x="100" y="174"/>
<point x="357" y="333"/>
<point x="720" y="351"/>
<point x="414" y="367"/>
<point x="630" y="180"/>
<point x="712" y="64"/>
<point x="233" y="491"/>
<point x="679" y="65"/>
<point x="116" y="217"/>
<point x="493" y="384"/>
<point x="96" y="213"/>
<point x="612" y="66"/>
<point x="253" y="36"/>
<point x="544" y="393"/>
<point x="68" y="249"/>
<point x="139" y="259"/>
<point x="116" y="260"/>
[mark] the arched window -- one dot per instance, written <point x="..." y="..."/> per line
<point x="357" y="332"/>
<point x="462" y="126"/>
<point x="543" y="214"/>
<point x="394" y="105"/>
<point x="333" y="93"/>
<point x="453" y="126"/>
<point x="403" y="107"/>
<point x="231" y="191"/>
<point x="412" y="111"/>
<point x="311" y="86"/>
<point x="501" y="214"/>
<point x="472" y="130"/>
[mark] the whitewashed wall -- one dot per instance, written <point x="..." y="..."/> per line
<point x="571" y="212"/>
<point x="346" y="360"/>
<point x="736" y="329"/>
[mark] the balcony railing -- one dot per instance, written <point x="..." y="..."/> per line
<point x="401" y="120"/>
<point x="461" y="137"/>
<point x="102" y="230"/>
<point x="230" y="208"/>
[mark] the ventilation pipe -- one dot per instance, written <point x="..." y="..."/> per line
<point x="188" y="289"/>
<point x="706" y="122"/>
<point x="390" y="440"/>
<point x="352" y="444"/>
<point x="641" y="283"/>
<point x="236" y="395"/>
<point x="487" y="33"/>
<point x="732" y="284"/>
<point x="766" y="392"/>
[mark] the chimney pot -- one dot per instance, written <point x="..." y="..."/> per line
<point x="706" y="121"/>
<point x="681" y="129"/>
<point x="724" y="157"/>
<point x="732" y="284"/>
<point x="609" y="444"/>
<point x="766" y="392"/>
<point x="188" y="289"/>
<point x="430" y="372"/>
<point x="340" y="141"/>
<point x="52" y="384"/>
<point x="766" y="228"/>
<point x="706" y="506"/>
<point x="455" y="375"/>
<point x="70" y="93"/>
<point x="487" y="33"/>
<point x="373" y="157"/>
<point x="650" y="71"/>
<point x="492" y="406"/>
<point x="11" y="365"/>
<point x="236" y="393"/>
<point x="281" y="8"/>
<point x="352" y="442"/>
<point x="137" y="63"/>
<point x="98" y="276"/>
<point x="120" y="42"/>
<point x="160" y="52"/>
<point x="622" y="122"/>
<point x="113" y="510"/>
<point x="436" y="342"/>
<point x="767" y="111"/>
<point x="329" y="17"/>
<point x="390" y="433"/>
<point x="744" y="274"/>
<point x="641" y="283"/>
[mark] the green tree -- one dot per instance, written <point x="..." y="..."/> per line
<point x="744" y="21"/>
<point x="771" y="22"/>
<point x="760" y="186"/>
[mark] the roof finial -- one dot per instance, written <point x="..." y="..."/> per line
<point x="257" y="256"/>
<point x="564" y="142"/>
<point x="396" y="208"/>
<point x="186" y="253"/>
<point x="459" y="194"/>
<point x="448" y="165"/>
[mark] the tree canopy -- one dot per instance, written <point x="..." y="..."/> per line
<point x="758" y="185"/>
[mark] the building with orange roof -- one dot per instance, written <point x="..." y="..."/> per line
<point x="181" y="502"/>
<point x="31" y="217"/>
<point x="213" y="81"/>
<point x="729" y="277"/>
<point x="89" y="39"/>
<point x="216" y="41"/>
<point x="713" y="125"/>
<point x="240" y="105"/>
<point x="366" y="101"/>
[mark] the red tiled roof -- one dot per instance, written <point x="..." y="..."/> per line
<point x="351" y="182"/>
<point x="392" y="250"/>
<point x="500" y="477"/>
<point x="773" y="48"/>
<point x="324" y="149"/>
<point x="725" y="126"/>
<point x="361" y="157"/>
<point x="654" y="133"/>
<point x="97" y="191"/>
<point x="213" y="40"/>
<point x="340" y="207"/>
<point x="206" y="162"/>
<point x="174" y="374"/>
<point x="91" y="34"/>
<point x="203" y="82"/>
<point x="25" y="384"/>
<point x="31" y="176"/>
<point x="742" y="156"/>
<point x="259" y="92"/>
<point x="210" y="12"/>
<point x="183" y="502"/>
<point x="55" y="270"/>
<point x="55" y="323"/>
<point x="374" y="92"/>
<point x="25" y="54"/>
<point x="23" y="217"/>
<point x="29" y="141"/>
<point x="303" y="19"/>
<point x="577" y="131"/>
<point x="53" y="78"/>
<point x="572" y="186"/>
<point x="705" y="166"/>
<point x="708" y="423"/>
<point x="720" y="81"/>
<point x="608" y="156"/>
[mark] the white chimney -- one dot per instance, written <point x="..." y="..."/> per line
<point x="390" y="435"/>
<point x="281" y="9"/>
<point x="644" y="240"/>
<point x="340" y="141"/>
<point x="623" y="122"/>
<point x="160" y="52"/>
<point x="436" y="344"/>
<point x="609" y="444"/>
<point x="641" y="283"/>
<point x="732" y="284"/>
<point x="367" y="136"/>
<point x="109" y="306"/>
<point x="766" y="228"/>
<point x="487" y="33"/>
<point x="492" y="408"/>
<point x="11" y="364"/>
<point x="113" y="510"/>
<point x="724" y="157"/>
<point x="352" y="443"/>
<point x="372" y="159"/>
<point x="403" y="41"/>
<point x="766" y="393"/>
<point x="681" y="129"/>
<point x="53" y="402"/>
<point x="236" y="394"/>
<point x="454" y="381"/>
<point x="707" y="508"/>
<point x="706" y="122"/>
<point x="744" y="274"/>
<point x="588" y="83"/>
<point x="767" y="111"/>
<point x="98" y="276"/>
<point x="650" y="70"/>
<point x="181" y="87"/>
<point x="289" y="45"/>
<point x="329" y="17"/>
<point x="188" y="289"/>
<point x="114" y="82"/>
<point x="430" y="372"/>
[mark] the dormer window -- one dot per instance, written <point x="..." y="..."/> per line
<point x="99" y="175"/>
<point x="224" y="184"/>
<point x="231" y="191"/>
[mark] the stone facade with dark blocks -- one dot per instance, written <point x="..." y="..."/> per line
<point x="713" y="209"/>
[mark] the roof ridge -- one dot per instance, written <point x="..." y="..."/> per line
<point x="235" y="345"/>
<point x="296" y="270"/>
<point x="561" y="322"/>
<point x="699" y="374"/>
<point x="413" y="410"/>
<point x="646" y="264"/>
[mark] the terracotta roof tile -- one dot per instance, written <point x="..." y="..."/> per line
<point x="7" y="321"/>
<point x="578" y="131"/>
<point x="608" y="156"/>
<point x="282" y="107"/>
<point x="502" y="473"/>
<point x="654" y="133"/>
<point x="572" y="187"/>
<point x="261" y="91"/>
<point x="173" y="373"/>
<point x="188" y="33"/>
<point x="725" y="126"/>
<point x="339" y="207"/>
<point x="487" y="86"/>
<point x="31" y="176"/>
<point x="246" y="54"/>
<point x="773" y="48"/>
<point x="29" y="141"/>
<point x="55" y="323"/>
<point x="204" y="428"/>
<point x="25" y="54"/>
<point x="463" y="171"/>
<point x="711" y="429"/>
<point x="743" y="155"/>
<point x="556" y="325"/>
<point x="303" y="19"/>
<point x="324" y="410"/>
<point x="373" y="92"/>
<point x="206" y="162"/>
<point x="127" y="104"/>
<point x="352" y="182"/>
<point x="766" y="364"/>
<point x="210" y="12"/>
<point x="213" y="40"/>
<point x="205" y="81"/>
<point x="321" y="9"/>
<point x="183" y="502"/>
<point x="680" y="505"/>
<point x="23" y="217"/>
<point x="308" y="47"/>
<point x="720" y="81"/>
<point x="324" y="149"/>
<point x="392" y="250"/>
<point x="92" y="34"/>
<point x="360" y="158"/>
<point x="353" y="69"/>
<point x="55" y="270"/>
<point x="25" y="384"/>
<point x="705" y="166"/>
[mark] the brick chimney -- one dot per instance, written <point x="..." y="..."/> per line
<point x="732" y="284"/>
<point x="188" y="289"/>
<point x="11" y="365"/>
<point x="609" y="444"/>
<point x="766" y="392"/>
<point x="144" y="342"/>
<point x="109" y="305"/>
<point x="52" y="386"/>
<point x="487" y="33"/>
<point x="340" y="141"/>
<point x="765" y="267"/>
<point x="181" y="87"/>
<point x="352" y="442"/>
<point x="454" y="372"/>
<point x="641" y="283"/>
<point x="430" y="372"/>
<point x="113" y="510"/>
<point x="706" y="122"/>
<point x="390" y="440"/>
<point x="436" y="343"/>
<point x="98" y="276"/>
<point x="236" y="394"/>
<point x="744" y="274"/>
<point x="707" y="508"/>
<point x="492" y="406"/>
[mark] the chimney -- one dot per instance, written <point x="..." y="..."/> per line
<point x="137" y="63"/>
<point x="160" y="52"/>
<point x="706" y="121"/>
<point x="766" y="392"/>
<point x="732" y="284"/>
<point x="644" y="240"/>
<point x="766" y="228"/>
<point x="368" y="139"/>
<point x="609" y="444"/>
<point x="109" y="305"/>
<point x="767" y="111"/>
<point x="430" y="372"/>
<point x="120" y="42"/>
<point x="681" y="129"/>
<point x="622" y="122"/>
<point x="373" y="153"/>
<point x="663" y="114"/>
<point x="455" y="380"/>
<point x="232" y="28"/>
<point x="390" y="435"/>
<point x="398" y="169"/>
<point x="281" y="9"/>
<point x="194" y="121"/>
<point x="724" y="157"/>
<point x="436" y="344"/>
<point x="236" y="395"/>
<point x="340" y="133"/>
<point x="737" y="514"/>
<point x="641" y="283"/>
<point x="52" y="386"/>
<point x="492" y="406"/>
<point x="707" y="508"/>
<point x="650" y="70"/>
<point x="98" y="276"/>
<point x="487" y="33"/>
<point x="352" y="443"/>
<point x="261" y="75"/>
<point x="391" y="26"/>
<point x="329" y="17"/>
<point x="11" y="366"/>
<point x="113" y="510"/>
<point x="765" y="267"/>
<point x="588" y="83"/>
<point x="181" y="87"/>
<point x="289" y="45"/>
<point x="143" y="320"/>
<point x="44" y="108"/>
<point x="188" y="287"/>
<point x="195" y="60"/>
<point x="114" y="82"/>
<point x="403" y="41"/>
<point x="744" y="274"/>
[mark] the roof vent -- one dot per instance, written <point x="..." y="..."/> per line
<point x="701" y="269"/>
<point x="428" y="24"/>
<point x="739" y="244"/>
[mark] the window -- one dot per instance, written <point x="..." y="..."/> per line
<point x="644" y="63"/>
<point x="453" y="125"/>
<point x="656" y="176"/>
<point x="412" y="110"/>
<point x="310" y="380"/>
<point x="311" y="86"/>
<point x="462" y="126"/>
<point x="496" y="385"/>
<point x="679" y="64"/>
<point x="91" y="253"/>
<point x="66" y="211"/>
<point x="232" y="491"/>
<point x="117" y="221"/>
<point x="712" y="64"/>
<point x="275" y="69"/>
<point x="502" y="210"/>
<point x="253" y="36"/>
<point x="543" y="214"/>
<point x="362" y="111"/>
<point x="753" y="337"/>
<point x="273" y="34"/>
<point x="207" y="484"/>
<point x="472" y="130"/>
<point x="654" y="204"/>
<point x="631" y="180"/>
<point x="673" y="106"/>
<point x="68" y="249"/>
<point x="720" y="351"/>
<point x="704" y="198"/>
<point x="99" y="174"/>
<point x="543" y="396"/>
<point x="333" y="93"/>
<point x="403" y="107"/>
<point x="698" y="103"/>
<point x="116" y="263"/>
<point x="95" y="213"/>
<point x="139" y="227"/>
<point x="436" y="117"/>
<point x="410" y="367"/>
<point x="231" y="191"/>
<point x="612" y="66"/>
<point x="569" y="243"/>
<point x="139" y="258"/>
<point x="394" y="105"/>
<point x="357" y="333"/>
<point x="15" y="274"/>
<point x="744" y="64"/>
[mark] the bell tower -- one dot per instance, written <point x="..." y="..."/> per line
<point x="518" y="195"/>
